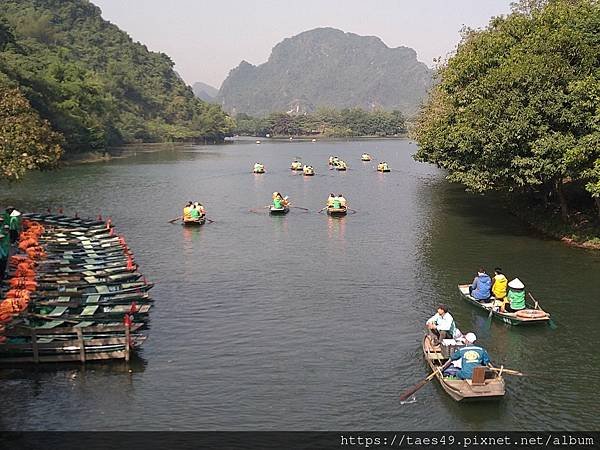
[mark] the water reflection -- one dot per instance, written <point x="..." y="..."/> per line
<point x="336" y="228"/>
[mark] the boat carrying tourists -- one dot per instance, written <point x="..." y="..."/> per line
<point x="194" y="214"/>
<point x="259" y="168"/>
<point x="296" y="165"/>
<point x="308" y="170"/>
<point x="280" y="204"/>
<point x="365" y="157"/>
<point x="336" y="205"/>
<point x="383" y="167"/>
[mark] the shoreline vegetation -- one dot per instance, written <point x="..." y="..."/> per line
<point x="515" y="112"/>
<point x="324" y="122"/>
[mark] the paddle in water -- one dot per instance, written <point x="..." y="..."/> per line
<point x="176" y="218"/>
<point x="409" y="392"/>
<point x="536" y="306"/>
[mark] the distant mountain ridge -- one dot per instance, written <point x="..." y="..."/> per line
<point x="205" y="91"/>
<point x="331" y="68"/>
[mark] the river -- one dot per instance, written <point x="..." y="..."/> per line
<point x="305" y="321"/>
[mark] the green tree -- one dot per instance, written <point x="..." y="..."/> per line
<point x="26" y="141"/>
<point x="516" y="109"/>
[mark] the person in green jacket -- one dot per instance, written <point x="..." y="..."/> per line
<point x="515" y="296"/>
<point x="14" y="225"/>
<point x="195" y="213"/>
<point x="4" y="248"/>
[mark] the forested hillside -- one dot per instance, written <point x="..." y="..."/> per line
<point x="92" y="83"/>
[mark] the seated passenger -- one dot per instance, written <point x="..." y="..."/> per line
<point x="516" y="296"/>
<point x="342" y="200"/>
<point x="194" y="214"/>
<point x="499" y="284"/>
<point x="441" y="325"/>
<point x="186" y="211"/>
<point x="330" y="199"/>
<point x="470" y="356"/>
<point x="480" y="290"/>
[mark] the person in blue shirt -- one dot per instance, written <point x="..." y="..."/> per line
<point x="481" y="289"/>
<point x="470" y="356"/>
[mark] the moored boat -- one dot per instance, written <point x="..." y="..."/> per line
<point x="533" y="314"/>
<point x="489" y="387"/>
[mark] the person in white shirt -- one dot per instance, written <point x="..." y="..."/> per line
<point x="441" y="324"/>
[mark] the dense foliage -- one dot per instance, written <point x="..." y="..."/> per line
<point x="326" y="67"/>
<point x="26" y="141"/>
<point x="92" y="83"/>
<point x="326" y="122"/>
<point x="517" y="109"/>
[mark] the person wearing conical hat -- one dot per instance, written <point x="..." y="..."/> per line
<point x="515" y="296"/>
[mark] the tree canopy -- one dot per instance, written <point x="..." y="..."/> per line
<point x="26" y="141"/>
<point x="517" y="108"/>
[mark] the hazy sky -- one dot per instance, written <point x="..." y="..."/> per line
<point x="208" y="38"/>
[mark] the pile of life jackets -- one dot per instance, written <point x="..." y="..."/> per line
<point x="23" y="282"/>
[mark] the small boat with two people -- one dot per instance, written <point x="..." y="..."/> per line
<point x="333" y="160"/>
<point x="296" y="165"/>
<point x="259" y="168"/>
<point x="341" y="165"/>
<point x="503" y="300"/>
<point x="365" y="157"/>
<point x="194" y="215"/>
<point x="463" y="369"/>
<point x="383" y="167"/>
<point x="308" y="171"/>
<point x="336" y="205"/>
<point x="280" y="205"/>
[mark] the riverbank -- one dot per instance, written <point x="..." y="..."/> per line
<point x="581" y="231"/>
<point x="124" y="151"/>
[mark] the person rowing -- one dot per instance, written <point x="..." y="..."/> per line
<point x="469" y="357"/>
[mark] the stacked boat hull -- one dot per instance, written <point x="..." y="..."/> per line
<point x="76" y="292"/>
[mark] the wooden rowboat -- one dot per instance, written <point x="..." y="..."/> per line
<point x="491" y="388"/>
<point x="194" y="223"/>
<point x="530" y="316"/>
<point x="278" y="211"/>
<point x="365" y="157"/>
<point x="337" y="211"/>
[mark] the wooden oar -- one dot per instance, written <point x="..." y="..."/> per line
<point x="176" y="218"/>
<point x="536" y="305"/>
<point x="409" y="392"/>
<point x="300" y="207"/>
<point x="508" y="371"/>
